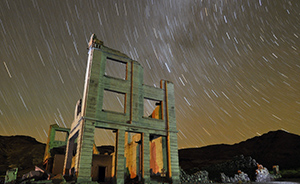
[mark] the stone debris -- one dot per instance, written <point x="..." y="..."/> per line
<point x="262" y="174"/>
<point x="240" y="177"/>
<point x="239" y="170"/>
<point x="34" y="176"/>
<point x="198" y="177"/>
<point x="230" y="168"/>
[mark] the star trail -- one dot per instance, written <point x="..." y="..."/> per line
<point x="235" y="64"/>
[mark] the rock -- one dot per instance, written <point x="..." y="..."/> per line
<point x="198" y="177"/>
<point x="230" y="168"/>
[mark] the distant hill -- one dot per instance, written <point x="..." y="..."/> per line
<point x="273" y="148"/>
<point x="23" y="152"/>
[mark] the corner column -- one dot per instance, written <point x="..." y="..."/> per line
<point x="85" y="152"/>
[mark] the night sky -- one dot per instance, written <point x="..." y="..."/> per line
<point x="235" y="64"/>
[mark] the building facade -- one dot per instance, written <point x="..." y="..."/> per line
<point x="134" y="162"/>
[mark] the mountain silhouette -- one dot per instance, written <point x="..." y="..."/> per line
<point x="23" y="152"/>
<point x="273" y="148"/>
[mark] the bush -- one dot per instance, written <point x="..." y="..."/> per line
<point x="290" y="173"/>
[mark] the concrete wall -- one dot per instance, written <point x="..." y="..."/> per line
<point x="131" y="120"/>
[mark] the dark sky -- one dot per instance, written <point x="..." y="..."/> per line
<point x="235" y="63"/>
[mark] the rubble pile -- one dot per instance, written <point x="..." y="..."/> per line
<point x="238" y="178"/>
<point x="198" y="177"/>
<point x="246" y="164"/>
<point x="262" y="174"/>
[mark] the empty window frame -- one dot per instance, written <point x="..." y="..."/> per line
<point x="116" y="69"/>
<point x="152" y="108"/>
<point x="60" y="136"/>
<point x="114" y="101"/>
<point x="104" y="138"/>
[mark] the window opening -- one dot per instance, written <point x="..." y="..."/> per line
<point x="113" y="101"/>
<point x="116" y="69"/>
<point x="152" y="109"/>
<point x="60" y="136"/>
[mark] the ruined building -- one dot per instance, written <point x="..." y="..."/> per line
<point x="145" y="147"/>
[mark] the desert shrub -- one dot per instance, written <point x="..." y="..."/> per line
<point x="290" y="173"/>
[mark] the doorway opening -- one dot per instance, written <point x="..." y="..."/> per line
<point x="133" y="156"/>
<point x="158" y="157"/>
<point x="103" y="155"/>
<point x="101" y="174"/>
